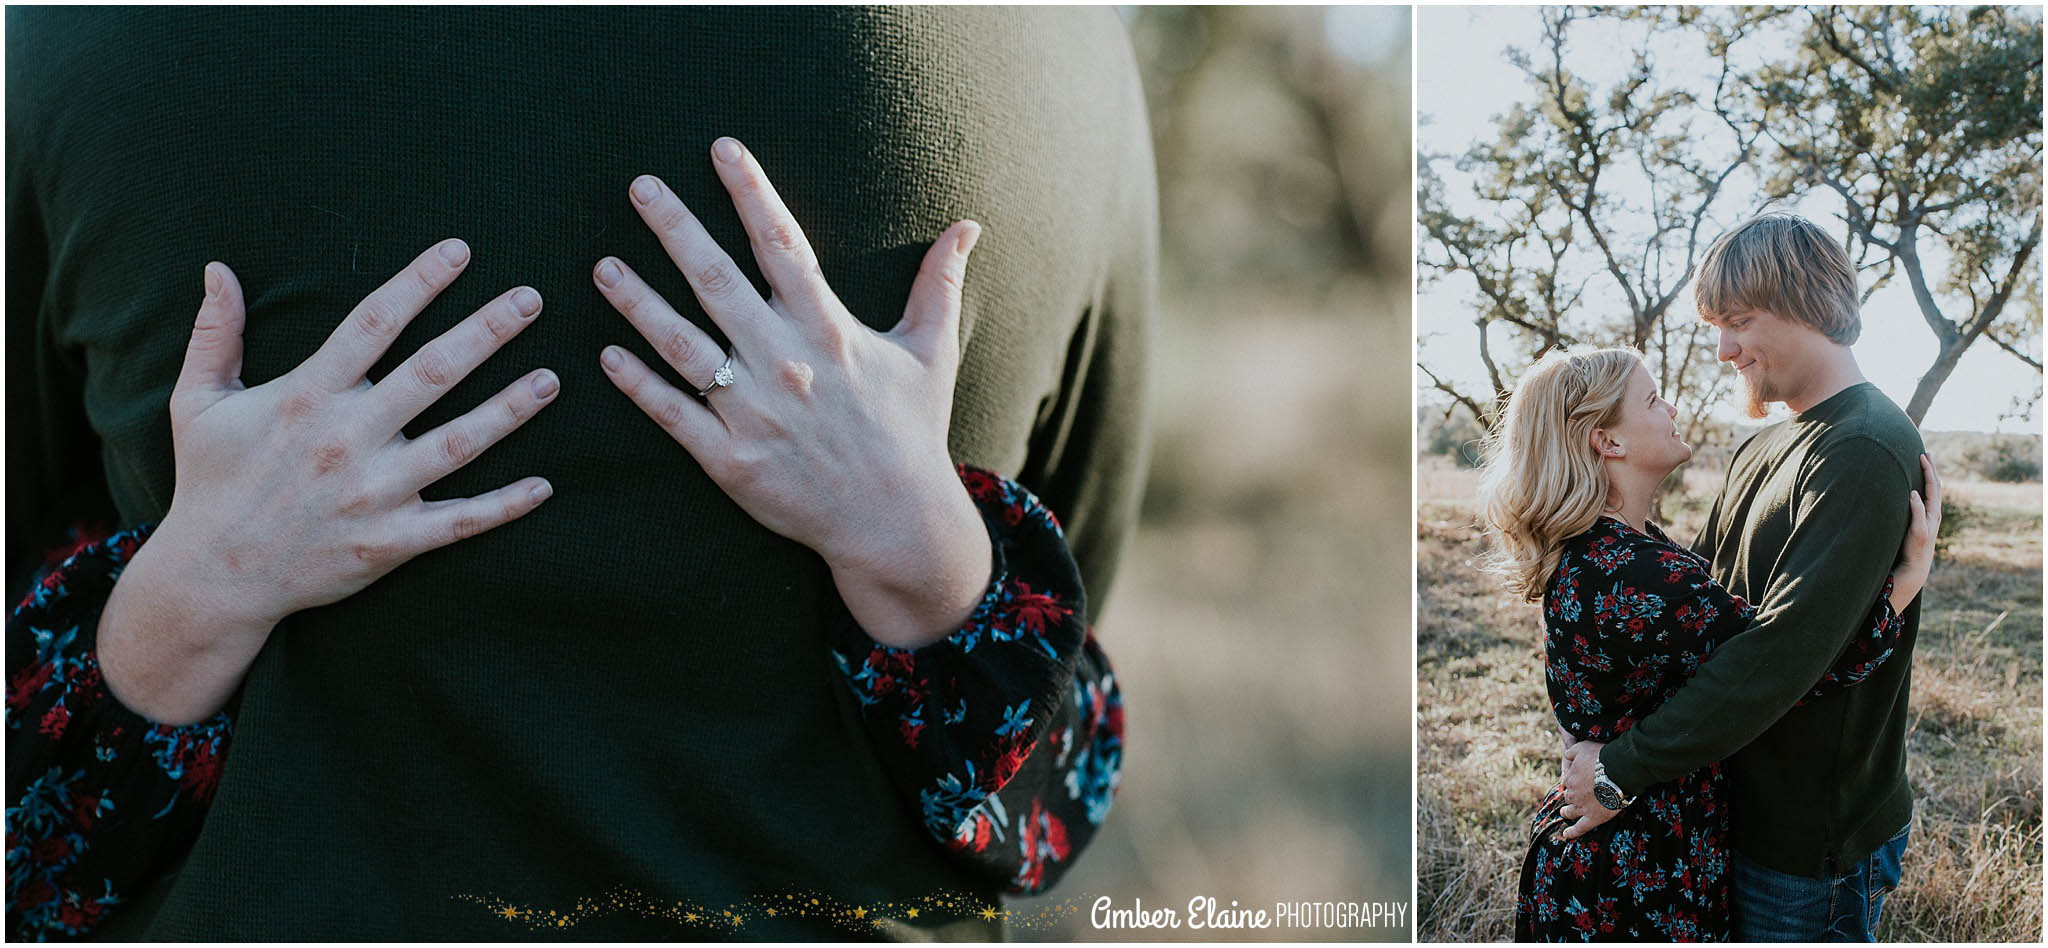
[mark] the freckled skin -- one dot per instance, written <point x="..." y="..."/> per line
<point x="327" y="457"/>
<point x="796" y="377"/>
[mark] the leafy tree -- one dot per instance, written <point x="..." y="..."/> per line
<point x="1559" y="253"/>
<point x="1927" y="123"/>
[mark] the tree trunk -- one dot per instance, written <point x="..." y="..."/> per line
<point x="1952" y="350"/>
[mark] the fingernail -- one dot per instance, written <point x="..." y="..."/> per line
<point x="545" y="385"/>
<point x="542" y="491"/>
<point x="726" y="150"/>
<point x="645" y="189"/>
<point x="967" y="239"/>
<point x="612" y="358"/>
<point x="608" y="273"/>
<point x="213" y="283"/>
<point x="454" y="252"/>
<point x="526" y="301"/>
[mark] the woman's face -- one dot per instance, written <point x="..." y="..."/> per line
<point x="1646" y="434"/>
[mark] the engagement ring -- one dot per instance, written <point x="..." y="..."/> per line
<point x="719" y="379"/>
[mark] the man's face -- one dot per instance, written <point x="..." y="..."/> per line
<point x="1771" y="354"/>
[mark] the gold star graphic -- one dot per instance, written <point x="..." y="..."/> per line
<point x="988" y="914"/>
<point x="860" y="913"/>
<point x="913" y="913"/>
<point x="692" y="917"/>
<point x="509" y="912"/>
<point x="771" y="913"/>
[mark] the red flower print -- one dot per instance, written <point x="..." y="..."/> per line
<point x="55" y="720"/>
<point x="981" y="485"/>
<point x="26" y="683"/>
<point x="1012" y="759"/>
<point x="87" y="810"/>
<point x="38" y="892"/>
<point x="1036" y="610"/>
<point x="974" y="834"/>
<point x="56" y="849"/>
<point x="1055" y="834"/>
<point x="79" y="916"/>
<point x="202" y="772"/>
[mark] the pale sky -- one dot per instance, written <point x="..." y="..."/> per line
<point x="1462" y="82"/>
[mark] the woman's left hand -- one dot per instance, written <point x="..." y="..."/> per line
<point x="1923" y="525"/>
<point x="1923" y="528"/>
<point x="825" y="431"/>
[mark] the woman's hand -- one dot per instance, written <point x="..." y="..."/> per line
<point x="301" y="491"/>
<point x="828" y="433"/>
<point x="1916" y="556"/>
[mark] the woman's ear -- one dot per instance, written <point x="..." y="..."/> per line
<point x="1605" y="446"/>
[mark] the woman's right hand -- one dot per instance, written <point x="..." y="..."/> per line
<point x="302" y="490"/>
<point x="1916" y="555"/>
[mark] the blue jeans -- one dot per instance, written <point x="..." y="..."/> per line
<point x="1773" y="906"/>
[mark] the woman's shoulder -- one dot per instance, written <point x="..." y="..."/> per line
<point x="1605" y="539"/>
<point x="1596" y="549"/>
<point x="1613" y="548"/>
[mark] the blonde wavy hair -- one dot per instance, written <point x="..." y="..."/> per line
<point x="1542" y="483"/>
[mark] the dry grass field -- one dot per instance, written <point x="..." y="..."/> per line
<point x="1487" y="746"/>
<point x="1260" y="629"/>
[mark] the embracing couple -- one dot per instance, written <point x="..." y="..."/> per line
<point x="671" y="556"/>
<point x="1734" y="712"/>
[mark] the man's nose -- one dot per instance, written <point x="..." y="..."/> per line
<point x="1728" y="349"/>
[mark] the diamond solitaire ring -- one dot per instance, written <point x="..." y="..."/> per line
<point x="719" y="379"/>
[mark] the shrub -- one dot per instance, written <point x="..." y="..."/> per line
<point x="2011" y="459"/>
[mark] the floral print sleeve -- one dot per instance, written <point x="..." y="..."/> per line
<point x="99" y="799"/>
<point x="1879" y="634"/>
<point x="1007" y="736"/>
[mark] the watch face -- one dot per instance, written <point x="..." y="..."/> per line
<point x="1607" y="795"/>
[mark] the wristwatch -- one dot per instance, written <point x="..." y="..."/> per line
<point x="1606" y="792"/>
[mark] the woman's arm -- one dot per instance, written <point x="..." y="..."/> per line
<point x="1007" y="735"/>
<point x="1916" y="554"/>
<point x="291" y="494"/>
<point x="834" y="435"/>
<point x="99" y="799"/>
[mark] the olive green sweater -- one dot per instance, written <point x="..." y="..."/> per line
<point x="1806" y="529"/>
<point x="630" y="687"/>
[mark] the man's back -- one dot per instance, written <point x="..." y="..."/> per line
<point x="1825" y="784"/>
<point x="631" y="686"/>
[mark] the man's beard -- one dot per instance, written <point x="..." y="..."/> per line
<point x="1756" y="398"/>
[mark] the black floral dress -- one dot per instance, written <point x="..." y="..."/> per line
<point x="1629" y="616"/>
<point x="1005" y="738"/>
